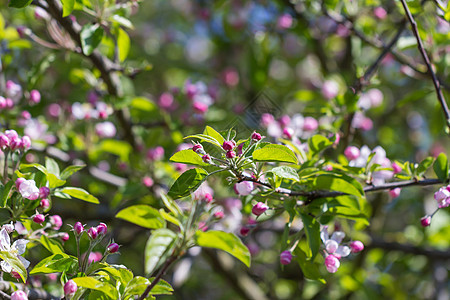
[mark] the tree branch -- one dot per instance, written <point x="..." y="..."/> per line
<point x="312" y="195"/>
<point x="436" y="83"/>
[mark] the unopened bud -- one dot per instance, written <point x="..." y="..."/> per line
<point x="112" y="248"/>
<point x="425" y="221"/>
<point x="285" y="257"/>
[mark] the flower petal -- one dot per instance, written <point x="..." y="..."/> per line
<point x="343" y="251"/>
<point x="5" y="267"/>
<point x="25" y="262"/>
<point x="20" y="245"/>
<point x="338" y="236"/>
<point x="5" y="242"/>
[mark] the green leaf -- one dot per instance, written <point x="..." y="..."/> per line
<point x="142" y="215"/>
<point x="424" y="165"/>
<point x="206" y="138"/>
<point x="51" y="245"/>
<point x="122" y="21"/>
<point x="309" y="268"/>
<point x="5" y="191"/>
<point x="123" y="43"/>
<point x="143" y="104"/>
<point x="15" y="263"/>
<point x="136" y="286"/>
<point x="225" y="241"/>
<point x="19" y="3"/>
<point x="209" y="131"/>
<point x="312" y="230"/>
<point x="168" y="217"/>
<point x="339" y="183"/>
<point x="95" y="284"/>
<point x="79" y="193"/>
<point x="157" y="248"/>
<point x="52" y="166"/>
<point x="188" y="157"/>
<point x="318" y="143"/>
<point x="91" y="36"/>
<point x="70" y="170"/>
<point x="276" y="153"/>
<point x="161" y="288"/>
<point x="119" y="148"/>
<point x="53" y="181"/>
<point x="440" y="167"/>
<point x="171" y="205"/>
<point x="187" y="183"/>
<point x="68" y="6"/>
<point x="285" y="172"/>
<point x="55" y="263"/>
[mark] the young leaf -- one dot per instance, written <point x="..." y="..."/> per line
<point x="19" y="3"/>
<point x="225" y="241"/>
<point x="79" y="193"/>
<point x="276" y="153"/>
<point x="157" y="248"/>
<point x="440" y="167"/>
<point x="188" y="157"/>
<point x="15" y="263"/>
<point x="317" y="143"/>
<point x="312" y="230"/>
<point x="142" y="215"/>
<point x="91" y="35"/>
<point x="52" y="166"/>
<point x="95" y="284"/>
<point x="68" y="6"/>
<point x="209" y="131"/>
<point x="5" y="190"/>
<point x="51" y="245"/>
<point x="285" y="172"/>
<point x="187" y="183"/>
<point x="338" y="182"/>
<point x="55" y="263"/>
<point x="309" y="268"/>
<point x="424" y="165"/>
<point x="70" y="170"/>
<point x="123" y="43"/>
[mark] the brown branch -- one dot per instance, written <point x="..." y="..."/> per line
<point x="436" y="83"/>
<point x="102" y="63"/>
<point x="394" y="246"/>
<point x="312" y="195"/>
<point x="158" y="276"/>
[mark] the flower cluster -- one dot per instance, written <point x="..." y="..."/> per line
<point x="442" y="196"/>
<point x="11" y="141"/>
<point x="334" y="251"/>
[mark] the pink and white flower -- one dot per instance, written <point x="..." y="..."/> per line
<point x="17" y="248"/>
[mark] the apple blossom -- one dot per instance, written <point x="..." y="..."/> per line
<point x="56" y="222"/>
<point x="39" y="218"/>
<point x="206" y="158"/>
<point x="78" y="228"/>
<point x="351" y="152"/>
<point x="330" y="89"/>
<point x="35" y="96"/>
<point x="147" y="181"/>
<point x="231" y="154"/>
<point x="17" y="248"/>
<point x="19" y="295"/>
<point x="44" y="192"/>
<point x="92" y="233"/>
<point x="442" y="196"/>
<point x="244" y="188"/>
<point x="394" y="193"/>
<point x="228" y="145"/>
<point x="112" y="248"/>
<point x="332" y="263"/>
<point x="29" y="190"/>
<point x="156" y="153"/>
<point x="256" y="136"/>
<point x="102" y="229"/>
<point x="425" y="221"/>
<point x="310" y="124"/>
<point x="44" y="204"/>
<point x="356" y="246"/>
<point x="65" y="236"/>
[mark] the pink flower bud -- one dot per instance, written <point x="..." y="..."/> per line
<point x="102" y="229"/>
<point x="199" y="107"/>
<point x="244" y="231"/>
<point x="425" y="221"/>
<point x="105" y="129"/>
<point x="310" y="124"/>
<point x="206" y="158"/>
<point x="65" y="237"/>
<point x="284" y="121"/>
<point x="266" y="119"/>
<point x="56" y="222"/>
<point x="397" y="169"/>
<point x="231" y="154"/>
<point x="19" y="295"/>
<point x="39" y="218"/>
<point x="380" y="12"/>
<point x="15" y="143"/>
<point x="259" y="208"/>
<point x="330" y="89"/>
<point x="78" y="228"/>
<point x="256" y="136"/>
<point x="332" y="263"/>
<point x="230" y="77"/>
<point x="25" y="115"/>
<point x="351" y="153"/>
<point x="285" y="257"/>
<point x="112" y="248"/>
<point x="394" y="193"/>
<point x="219" y="214"/>
<point x="228" y="145"/>
<point x="165" y="101"/>
<point x="4" y="142"/>
<point x="288" y="133"/>
<point x="356" y="246"/>
<point x="9" y="103"/>
<point x="45" y="204"/>
<point x="284" y="21"/>
<point x="202" y="226"/>
<point x="94" y="256"/>
<point x="147" y="181"/>
<point x="208" y="198"/>
<point x="239" y="149"/>
<point x="156" y="153"/>
<point x="70" y="288"/>
<point x="35" y="96"/>
<point x="198" y="148"/>
<point x="92" y="233"/>
<point x="44" y="192"/>
<point x="442" y="196"/>
<point x="54" y="110"/>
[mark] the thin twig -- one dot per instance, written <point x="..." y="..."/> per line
<point x="436" y="83"/>
<point x="158" y="276"/>
<point x="311" y="195"/>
